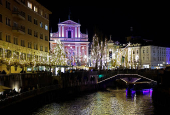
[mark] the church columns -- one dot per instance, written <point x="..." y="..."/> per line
<point x="62" y="31"/>
<point x="87" y="54"/>
<point x="75" y="31"/>
<point x="79" y="51"/>
<point x="78" y="31"/>
<point x="66" y="34"/>
<point x="59" y="27"/>
<point x="71" y="33"/>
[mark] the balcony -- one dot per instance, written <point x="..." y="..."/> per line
<point x="18" y="30"/>
<point x="18" y="15"/>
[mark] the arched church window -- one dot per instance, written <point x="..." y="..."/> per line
<point x="69" y="34"/>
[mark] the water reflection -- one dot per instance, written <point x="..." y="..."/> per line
<point x="114" y="102"/>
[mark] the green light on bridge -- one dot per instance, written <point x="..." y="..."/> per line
<point x="100" y="76"/>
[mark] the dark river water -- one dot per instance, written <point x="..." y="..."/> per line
<point x="111" y="102"/>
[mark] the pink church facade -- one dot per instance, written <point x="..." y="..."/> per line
<point x="75" y="43"/>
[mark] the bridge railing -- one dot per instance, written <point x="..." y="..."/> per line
<point x="151" y="74"/>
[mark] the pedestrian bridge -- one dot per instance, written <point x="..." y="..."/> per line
<point x="128" y="78"/>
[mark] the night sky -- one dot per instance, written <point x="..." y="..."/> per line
<point x="149" y="20"/>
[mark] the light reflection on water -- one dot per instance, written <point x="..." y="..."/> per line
<point x="112" y="102"/>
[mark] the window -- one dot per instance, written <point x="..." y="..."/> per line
<point x="22" y="28"/>
<point x="8" y="53"/>
<point x="0" y="1"/>
<point x="41" y="48"/>
<point x="15" y="9"/>
<point x="46" y="49"/>
<point x="1" y="52"/>
<point x="46" y="38"/>
<point x="22" y="14"/>
<point x="41" y="36"/>
<point x="29" y="31"/>
<point x="29" y="18"/>
<point x="41" y="12"/>
<point x="35" y="47"/>
<point x="35" y="9"/>
<point x="35" y="21"/>
<point x="15" y="55"/>
<point x="69" y="34"/>
<point x="143" y="51"/>
<point x="158" y="58"/>
<point x="29" y="5"/>
<point x="8" y="38"/>
<point x="41" y="24"/>
<point x="22" y="43"/>
<point x="0" y="35"/>
<point x="40" y="58"/>
<point x="0" y="17"/>
<point x="29" y="45"/>
<point x="8" y="21"/>
<point x="35" y="57"/>
<point x="29" y="57"/>
<point x="15" y="40"/>
<point x="8" y="5"/>
<point x="35" y="34"/>
<point x="46" y="27"/>
<point x="15" y="24"/>
<point x="137" y="51"/>
<point x="23" y="56"/>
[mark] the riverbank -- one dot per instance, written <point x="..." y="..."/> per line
<point x="32" y="103"/>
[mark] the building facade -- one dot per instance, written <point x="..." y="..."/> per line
<point x="75" y="43"/>
<point x="136" y="56"/>
<point x="153" y="56"/>
<point x="24" y="34"/>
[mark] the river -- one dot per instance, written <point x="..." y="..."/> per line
<point x="110" y="102"/>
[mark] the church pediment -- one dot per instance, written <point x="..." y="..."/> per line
<point x="69" y="22"/>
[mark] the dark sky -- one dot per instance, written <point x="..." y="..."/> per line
<point x="149" y="20"/>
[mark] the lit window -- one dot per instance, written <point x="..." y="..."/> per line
<point x="29" y="4"/>
<point x="41" y="24"/>
<point x="46" y="27"/>
<point x="41" y="48"/>
<point x="35" y="9"/>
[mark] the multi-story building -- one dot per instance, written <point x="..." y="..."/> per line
<point x="24" y="34"/>
<point x="75" y="43"/>
<point x="153" y="56"/>
<point x="112" y="51"/>
<point x="135" y="56"/>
